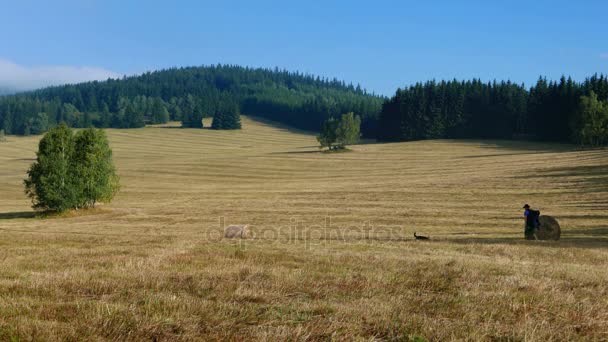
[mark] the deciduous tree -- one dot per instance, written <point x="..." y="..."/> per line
<point x="71" y="172"/>
<point x="93" y="168"/>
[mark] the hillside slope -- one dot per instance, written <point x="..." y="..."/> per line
<point x="333" y="253"/>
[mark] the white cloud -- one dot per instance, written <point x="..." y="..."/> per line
<point x="18" y="77"/>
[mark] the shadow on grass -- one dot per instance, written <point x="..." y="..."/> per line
<point x="321" y="151"/>
<point x="18" y="215"/>
<point x="52" y="214"/>
<point x="298" y="152"/>
<point x="567" y="240"/>
<point x="281" y="125"/>
<point x="585" y="178"/>
<point x="527" y="146"/>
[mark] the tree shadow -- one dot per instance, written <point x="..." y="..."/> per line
<point x="583" y="178"/>
<point x="567" y="240"/>
<point x="297" y="152"/>
<point x="18" y="215"/>
<point x="280" y="125"/>
<point x="590" y="231"/>
<point x="527" y="146"/>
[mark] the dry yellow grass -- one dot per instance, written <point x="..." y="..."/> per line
<point x="333" y="255"/>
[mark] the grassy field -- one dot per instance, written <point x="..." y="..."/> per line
<point x="332" y="256"/>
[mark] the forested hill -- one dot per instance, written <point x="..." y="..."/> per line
<point x="562" y="111"/>
<point x="187" y="95"/>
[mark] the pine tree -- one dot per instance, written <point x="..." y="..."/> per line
<point x="192" y="115"/>
<point x="227" y="117"/>
<point x="160" y="114"/>
<point x="86" y="120"/>
<point x="40" y="124"/>
<point x="7" y="123"/>
<point x="105" y="117"/>
<point x="133" y="118"/>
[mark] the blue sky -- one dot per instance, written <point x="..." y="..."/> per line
<point x="380" y="44"/>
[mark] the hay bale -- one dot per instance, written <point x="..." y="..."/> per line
<point x="237" y="231"/>
<point x="549" y="228"/>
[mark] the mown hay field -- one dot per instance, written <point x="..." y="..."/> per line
<point x="332" y="254"/>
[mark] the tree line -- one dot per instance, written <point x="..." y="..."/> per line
<point x="189" y="95"/>
<point x="549" y="110"/>
<point x="559" y="111"/>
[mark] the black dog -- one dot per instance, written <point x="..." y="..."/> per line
<point x="420" y="237"/>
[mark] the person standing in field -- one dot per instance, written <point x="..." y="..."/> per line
<point x="531" y="216"/>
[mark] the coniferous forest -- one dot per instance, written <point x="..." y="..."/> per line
<point x="548" y="111"/>
<point x="560" y="111"/>
<point x="188" y="95"/>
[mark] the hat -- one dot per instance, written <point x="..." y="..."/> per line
<point x="527" y="206"/>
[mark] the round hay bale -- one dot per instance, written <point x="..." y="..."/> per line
<point x="549" y="228"/>
<point x="237" y="231"/>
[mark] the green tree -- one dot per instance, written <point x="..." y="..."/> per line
<point x="40" y="124"/>
<point x="93" y="168"/>
<point x="8" y="122"/>
<point x="227" y="117"/>
<point x="160" y="114"/>
<point x="87" y="121"/>
<point x="50" y="183"/>
<point x="591" y="127"/>
<point x="105" y="119"/>
<point x="348" y="131"/>
<point x="132" y="117"/>
<point x="336" y="134"/>
<point x="2" y="137"/>
<point x="192" y="116"/>
<point x="327" y="137"/>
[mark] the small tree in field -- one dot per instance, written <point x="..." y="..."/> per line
<point x="2" y="137"/>
<point x="336" y="134"/>
<point x="71" y="172"/>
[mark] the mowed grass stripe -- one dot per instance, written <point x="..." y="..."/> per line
<point x="151" y="265"/>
